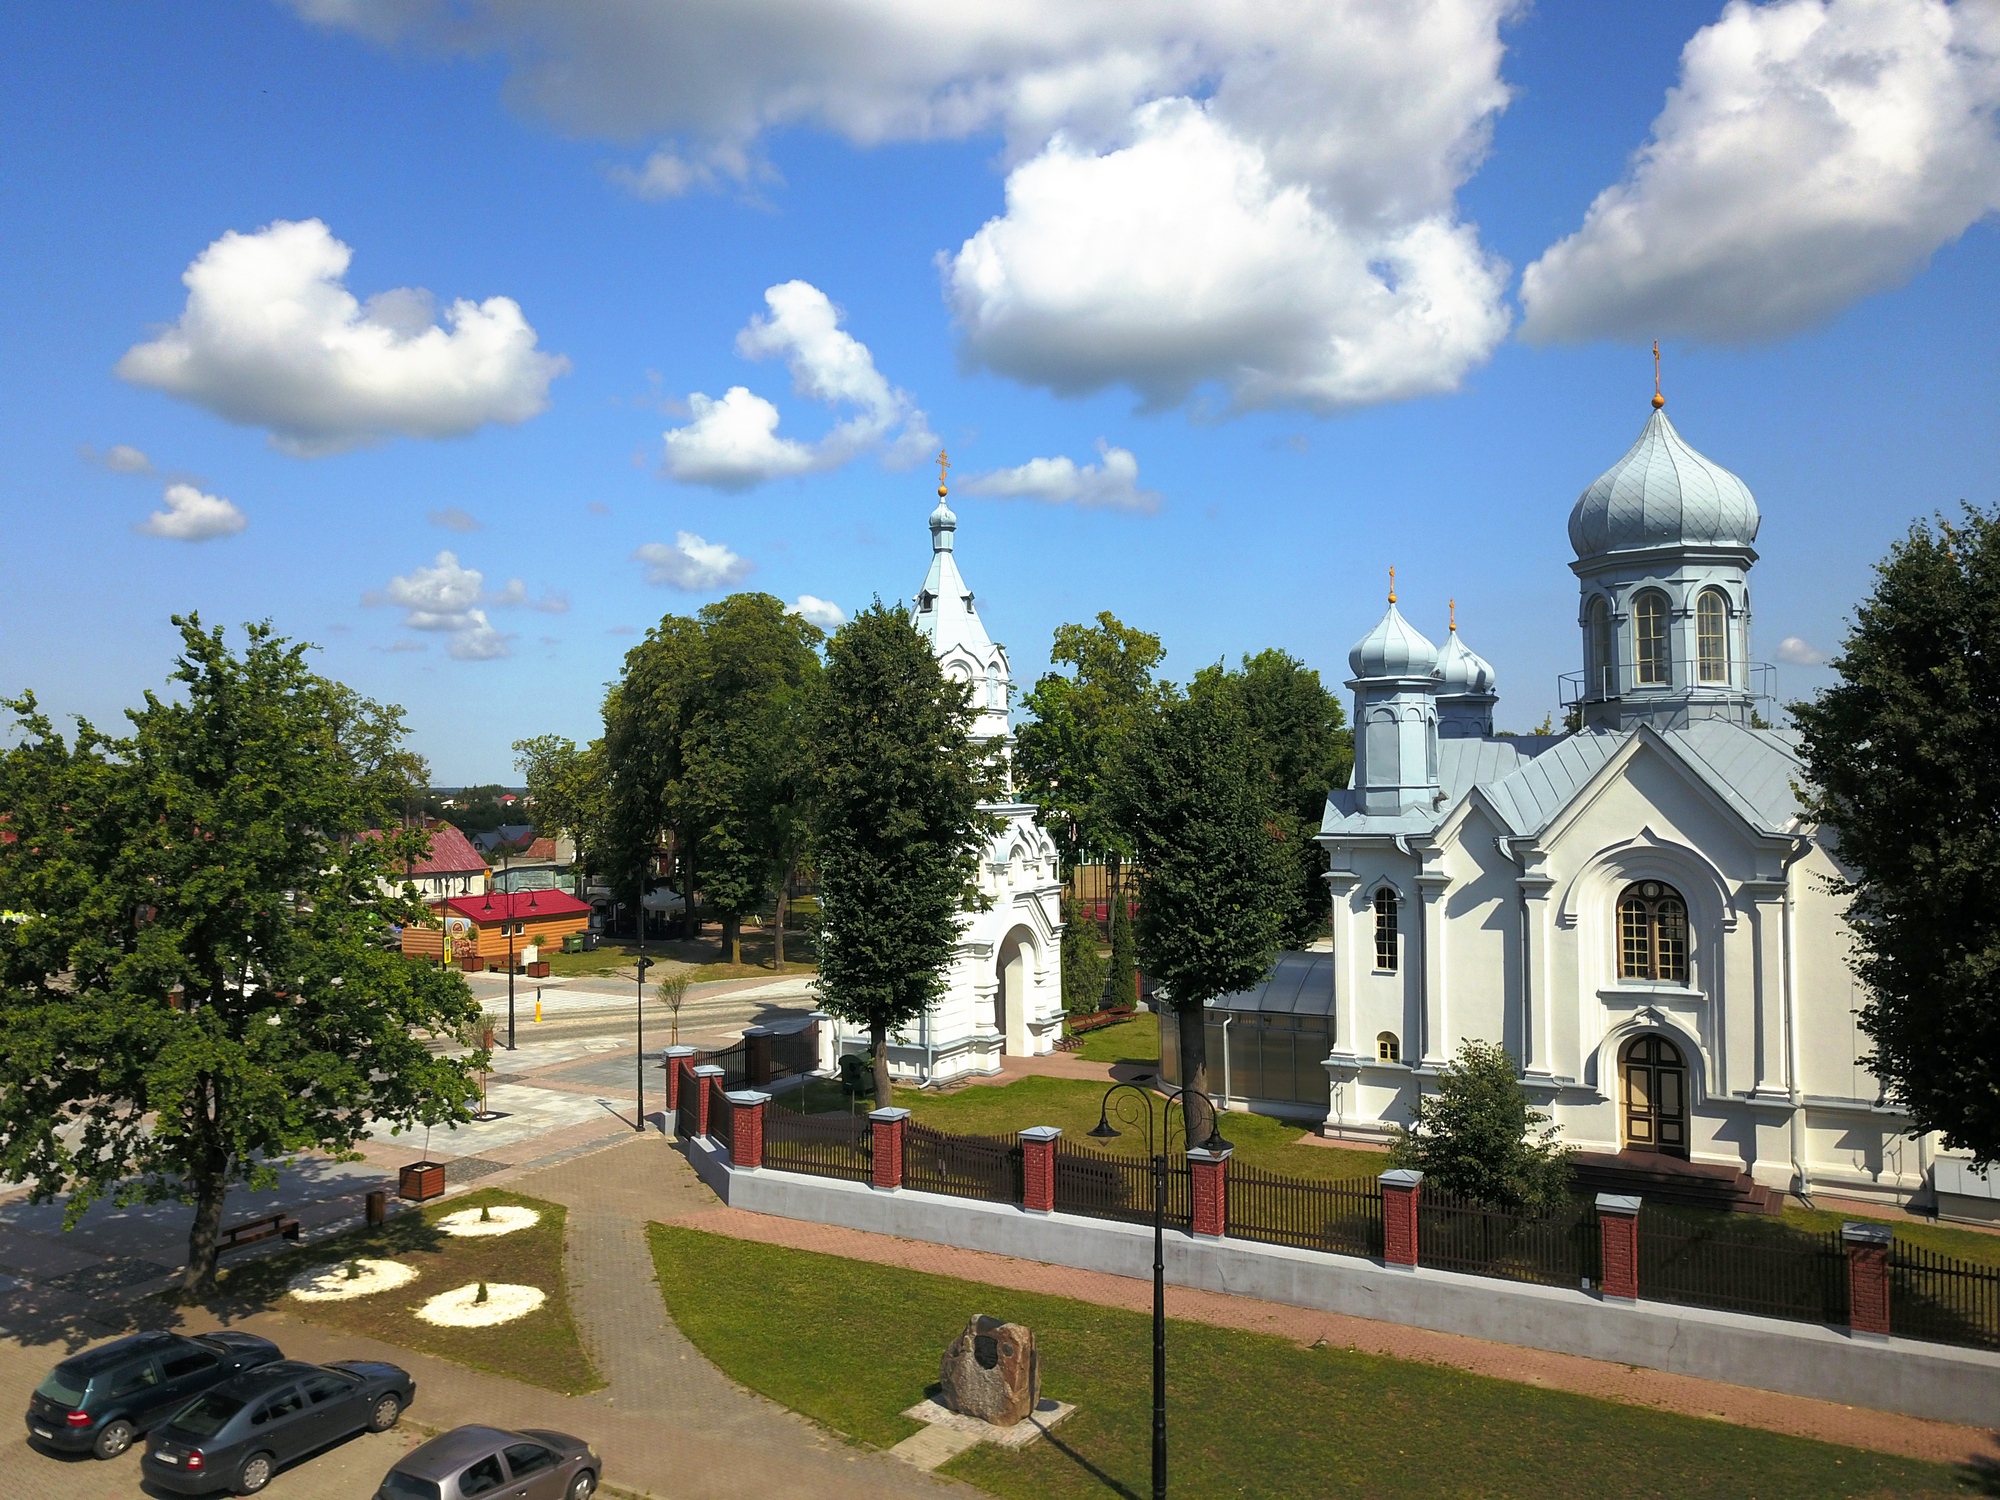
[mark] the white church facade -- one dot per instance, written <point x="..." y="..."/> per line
<point x="1639" y="911"/>
<point x="1003" y="989"/>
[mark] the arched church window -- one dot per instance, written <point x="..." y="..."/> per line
<point x="1711" y="631"/>
<point x="1387" y="1048"/>
<point x="993" y="699"/>
<point x="1386" y="929"/>
<point x="1652" y="933"/>
<point x="1649" y="629"/>
<point x="1602" y="664"/>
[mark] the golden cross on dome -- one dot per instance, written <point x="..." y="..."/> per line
<point x="1454" y="614"/>
<point x="1392" y="584"/>
<point x="943" y="464"/>
<point x="1658" y="400"/>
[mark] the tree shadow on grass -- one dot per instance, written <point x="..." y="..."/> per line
<point x="1982" y="1476"/>
<point x="255" y="1286"/>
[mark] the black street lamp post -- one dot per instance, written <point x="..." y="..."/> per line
<point x="1134" y="1104"/>
<point x="639" y="1010"/>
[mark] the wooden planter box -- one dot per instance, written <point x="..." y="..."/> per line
<point x="472" y="963"/>
<point x="539" y="970"/>
<point x="421" y="1181"/>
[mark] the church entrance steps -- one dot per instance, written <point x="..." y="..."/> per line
<point x="1668" y="1179"/>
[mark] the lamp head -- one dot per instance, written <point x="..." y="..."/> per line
<point x="1103" y="1131"/>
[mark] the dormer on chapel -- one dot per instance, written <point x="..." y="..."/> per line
<point x="947" y="618"/>
<point x="1465" y="692"/>
<point x="1663" y="556"/>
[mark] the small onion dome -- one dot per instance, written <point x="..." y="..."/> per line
<point x="1662" y="494"/>
<point x="943" y="524"/>
<point x="1460" y="669"/>
<point x="1394" y="648"/>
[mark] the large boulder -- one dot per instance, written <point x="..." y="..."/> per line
<point x="992" y="1371"/>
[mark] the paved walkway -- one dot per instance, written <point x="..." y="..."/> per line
<point x="1884" y="1432"/>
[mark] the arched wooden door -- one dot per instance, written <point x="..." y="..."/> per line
<point x="1655" y="1085"/>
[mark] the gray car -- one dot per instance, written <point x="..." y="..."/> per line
<point x="468" y="1462"/>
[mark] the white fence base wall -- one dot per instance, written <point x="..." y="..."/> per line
<point x="1938" y="1381"/>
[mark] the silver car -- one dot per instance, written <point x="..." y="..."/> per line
<point x="469" y="1462"/>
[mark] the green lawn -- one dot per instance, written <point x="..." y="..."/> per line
<point x="1249" y="1414"/>
<point x="1136" y="1040"/>
<point x="541" y="1348"/>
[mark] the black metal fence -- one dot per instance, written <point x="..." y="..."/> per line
<point x="966" y="1166"/>
<point x="1342" y="1217"/>
<point x="1933" y="1296"/>
<point x="824" y="1145"/>
<point x="1560" y="1248"/>
<point x="1770" y="1270"/>
<point x="1105" y="1185"/>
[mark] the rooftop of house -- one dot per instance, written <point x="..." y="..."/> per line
<point x="451" y="853"/>
<point x="520" y="906"/>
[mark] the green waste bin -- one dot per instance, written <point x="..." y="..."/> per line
<point x="573" y="943"/>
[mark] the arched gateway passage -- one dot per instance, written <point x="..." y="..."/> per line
<point x="1654" y="1079"/>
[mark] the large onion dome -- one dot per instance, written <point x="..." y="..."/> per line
<point x="1662" y="494"/>
<point x="1460" y="669"/>
<point x="1394" y="648"/>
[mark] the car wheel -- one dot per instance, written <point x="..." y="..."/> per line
<point x="256" y="1473"/>
<point x="114" y="1440"/>
<point x="384" y="1416"/>
<point x="583" y="1486"/>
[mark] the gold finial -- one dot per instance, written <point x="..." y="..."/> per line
<point x="1392" y="585"/>
<point x="943" y="464"/>
<point x="1454" y="614"/>
<point x="1658" y="400"/>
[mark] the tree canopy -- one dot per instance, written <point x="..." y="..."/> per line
<point x="1213" y="875"/>
<point x="1902" y="757"/>
<point x="898" y="827"/>
<point x="195" y="981"/>
<point x="1477" y="1137"/>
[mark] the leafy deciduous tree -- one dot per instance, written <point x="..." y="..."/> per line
<point x="899" y="825"/>
<point x="1477" y="1137"/>
<point x="197" y="985"/>
<point x="1902" y="757"/>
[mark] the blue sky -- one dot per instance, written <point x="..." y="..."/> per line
<point x="1307" y="398"/>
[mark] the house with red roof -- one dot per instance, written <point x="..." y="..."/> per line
<point x="454" y="867"/>
<point x="484" y="931"/>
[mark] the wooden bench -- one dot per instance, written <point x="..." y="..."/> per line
<point x="238" y="1235"/>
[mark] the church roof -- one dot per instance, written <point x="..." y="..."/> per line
<point x="944" y="614"/>
<point x="1529" y="780"/>
<point x="1460" y="669"/>
<point x="1662" y="494"/>
<point x="1394" y="648"/>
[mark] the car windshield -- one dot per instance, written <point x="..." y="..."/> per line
<point x="401" y="1486"/>
<point x="66" y="1384"/>
<point x="204" y="1416"/>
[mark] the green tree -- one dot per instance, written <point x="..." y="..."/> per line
<point x="744" y="749"/>
<point x="899" y="826"/>
<point x="568" y="787"/>
<point x="1082" y="964"/>
<point x="1213" y="877"/>
<point x="1124" y="955"/>
<point x="1477" y="1137"/>
<point x="1899" y="760"/>
<point x="199" y="986"/>
<point x="646" y="803"/>
<point x="1303" y="749"/>
<point x="1065" y="757"/>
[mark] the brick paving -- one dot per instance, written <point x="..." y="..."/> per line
<point x="1798" y="1416"/>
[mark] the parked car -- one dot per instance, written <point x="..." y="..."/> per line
<point x="242" y="1432"/>
<point x="103" y="1398"/>
<point x="468" y="1462"/>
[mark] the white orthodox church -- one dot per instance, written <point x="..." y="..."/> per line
<point x="1638" y="911"/>
<point x="1003" y="995"/>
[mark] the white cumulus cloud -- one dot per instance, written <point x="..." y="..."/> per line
<point x="821" y="612"/>
<point x="691" y="563"/>
<point x="1800" y="653"/>
<point x="447" y="596"/>
<point x="271" y="337"/>
<point x="1112" y="483"/>
<point x="1337" y="135"/>
<point x="192" y="516"/>
<point x="1814" y="151"/>
<point x="733" y="443"/>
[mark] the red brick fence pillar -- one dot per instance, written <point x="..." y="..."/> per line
<point x="889" y="1126"/>
<point x="672" y="1064"/>
<point x="704" y="1097"/>
<point x="1208" y="1191"/>
<point x="1867" y="1279"/>
<point x="1038" y="1168"/>
<point x="1618" y="1234"/>
<point x="746" y="1129"/>
<point x="1399" y="1217"/>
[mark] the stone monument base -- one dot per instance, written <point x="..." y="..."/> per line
<point x="948" y="1433"/>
